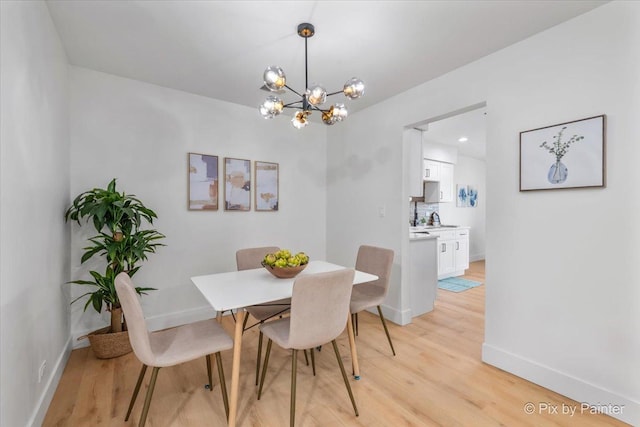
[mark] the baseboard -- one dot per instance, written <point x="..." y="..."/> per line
<point x="476" y="257"/>
<point x="393" y="315"/>
<point x="177" y="318"/>
<point x="592" y="396"/>
<point x="50" y="387"/>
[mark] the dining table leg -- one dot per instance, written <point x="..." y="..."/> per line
<point x="235" y="369"/>
<point x="354" y="351"/>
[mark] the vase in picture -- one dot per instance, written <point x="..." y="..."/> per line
<point x="557" y="173"/>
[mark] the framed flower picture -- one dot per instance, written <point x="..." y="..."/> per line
<point x="237" y="184"/>
<point x="203" y="182"/>
<point x="266" y="193"/>
<point x="566" y="155"/>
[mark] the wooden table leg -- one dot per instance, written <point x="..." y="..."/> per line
<point x="219" y="316"/>
<point x="235" y="369"/>
<point x="354" y="352"/>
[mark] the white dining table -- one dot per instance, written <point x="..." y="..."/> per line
<point x="239" y="289"/>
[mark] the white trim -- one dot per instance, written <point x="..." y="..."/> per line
<point x="560" y="382"/>
<point x="177" y="318"/>
<point x="476" y="257"/>
<point x="161" y="321"/>
<point x="393" y="315"/>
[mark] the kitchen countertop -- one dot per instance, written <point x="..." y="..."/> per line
<point x="422" y="232"/>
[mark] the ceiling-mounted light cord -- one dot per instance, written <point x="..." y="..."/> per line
<point x="306" y="67"/>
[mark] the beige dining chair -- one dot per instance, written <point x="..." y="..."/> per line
<point x="247" y="259"/>
<point x="319" y="311"/>
<point x="376" y="261"/>
<point x="169" y="347"/>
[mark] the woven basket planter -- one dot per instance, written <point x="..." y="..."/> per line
<point x="107" y="345"/>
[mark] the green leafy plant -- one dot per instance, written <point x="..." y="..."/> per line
<point x="118" y="218"/>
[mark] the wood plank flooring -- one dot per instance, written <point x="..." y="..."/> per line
<point x="436" y="379"/>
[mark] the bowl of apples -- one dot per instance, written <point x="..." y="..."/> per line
<point x="284" y="265"/>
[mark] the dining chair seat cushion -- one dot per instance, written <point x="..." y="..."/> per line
<point x="188" y="342"/>
<point x="268" y="310"/>
<point x="278" y="331"/>
<point x="366" y="295"/>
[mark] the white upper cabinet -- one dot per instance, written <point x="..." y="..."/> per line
<point x="446" y="182"/>
<point x="431" y="170"/>
<point x="439" y="172"/>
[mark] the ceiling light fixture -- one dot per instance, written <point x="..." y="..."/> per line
<point x="312" y="98"/>
<point x="463" y="139"/>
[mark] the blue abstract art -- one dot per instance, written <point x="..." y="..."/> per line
<point x="466" y="196"/>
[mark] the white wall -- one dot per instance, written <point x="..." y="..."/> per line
<point x="562" y="301"/>
<point x="141" y="134"/>
<point x="469" y="171"/>
<point x="34" y="188"/>
<point x="436" y="151"/>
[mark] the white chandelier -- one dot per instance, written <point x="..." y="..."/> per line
<point x="312" y="98"/>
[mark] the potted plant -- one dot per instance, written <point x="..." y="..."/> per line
<point x="118" y="219"/>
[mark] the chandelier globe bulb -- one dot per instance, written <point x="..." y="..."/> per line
<point x="353" y="88"/>
<point x="271" y="107"/>
<point x="316" y="94"/>
<point x="274" y="78"/>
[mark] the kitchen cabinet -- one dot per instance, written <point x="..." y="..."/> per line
<point x="431" y="170"/>
<point x="446" y="182"/>
<point x="461" y="250"/>
<point x="453" y="251"/>
<point x="434" y="171"/>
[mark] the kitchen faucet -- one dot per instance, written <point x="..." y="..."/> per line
<point x="435" y="218"/>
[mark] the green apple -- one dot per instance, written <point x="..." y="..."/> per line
<point x="270" y="259"/>
<point x="293" y="261"/>
<point x="304" y="258"/>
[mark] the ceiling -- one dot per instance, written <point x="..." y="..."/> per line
<point x="220" y="49"/>
<point x="471" y="125"/>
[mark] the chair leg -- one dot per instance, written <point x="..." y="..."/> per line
<point x="223" y="384"/>
<point x="356" y="324"/>
<point x="313" y="362"/>
<point x="292" y="408"/>
<point x="209" y="372"/>
<point x="147" y="400"/>
<point x="306" y="357"/>
<point x="136" y="390"/>
<point x="259" y="355"/>
<point x="264" y="367"/>
<point x="344" y="377"/>
<point x="386" y="331"/>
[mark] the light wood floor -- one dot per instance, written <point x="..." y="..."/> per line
<point x="436" y="379"/>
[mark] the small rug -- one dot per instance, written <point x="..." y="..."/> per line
<point x="457" y="284"/>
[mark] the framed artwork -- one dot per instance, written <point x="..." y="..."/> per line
<point x="466" y="196"/>
<point x="203" y="182"/>
<point x="237" y="184"/>
<point x="266" y="193"/>
<point x="566" y="155"/>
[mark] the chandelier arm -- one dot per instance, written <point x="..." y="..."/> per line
<point x="292" y="106"/>
<point x="294" y="91"/>
<point x="335" y="93"/>
<point x="318" y="109"/>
